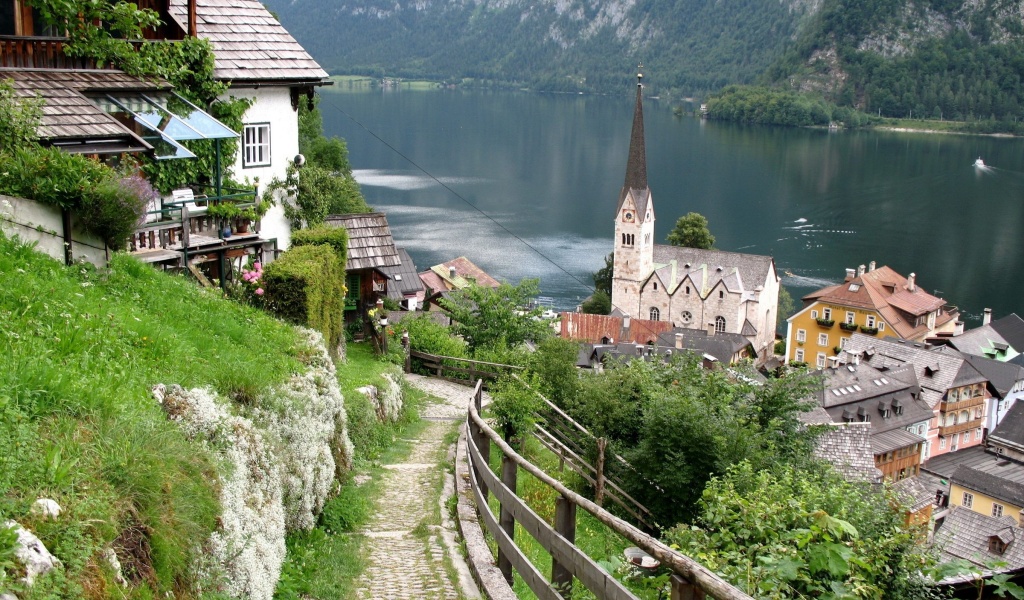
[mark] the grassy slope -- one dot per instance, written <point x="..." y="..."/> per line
<point x="79" y="352"/>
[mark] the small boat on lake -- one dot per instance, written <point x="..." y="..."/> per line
<point x="979" y="163"/>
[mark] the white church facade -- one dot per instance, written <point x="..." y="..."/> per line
<point x="713" y="290"/>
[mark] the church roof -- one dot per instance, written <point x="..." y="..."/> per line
<point x="736" y="270"/>
<point x="635" y="184"/>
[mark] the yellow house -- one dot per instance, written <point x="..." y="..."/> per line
<point x="985" y="493"/>
<point x="874" y="301"/>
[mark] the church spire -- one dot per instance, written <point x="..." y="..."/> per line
<point x="636" y="166"/>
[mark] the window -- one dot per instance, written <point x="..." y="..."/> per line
<point x="687" y="290"/>
<point x="655" y="286"/>
<point x="842" y="342"/>
<point x="721" y="294"/>
<point x="798" y="356"/>
<point x="968" y="500"/>
<point x="814" y="314"/>
<point x="256" y="145"/>
<point x="870" y="321"/>
<point x="719" y="324"/>
<point x="687" y="316"/>
<point x="881" y="325"/>
<point x="967" y="436"/>
<point x="942" y="443"/>
<point x="655" y="313"/>
<point x="850" y="317"/>
<point x="627" y="239"/>
<point x="997" y="510"/>
<point x="647" y="238"/>
<point x="827" y="314"/>
<point x="823" y="339"/>
<point x="801" y="335"/>
<point x="977" y="434"/>
<point x="821" y="360"/>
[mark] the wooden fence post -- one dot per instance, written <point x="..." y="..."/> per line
<point x="483" y="443"/>
<point x="565" y="525"/>
<point x="682" y="589"/>
<point x="602" y="443"/>
<point x="506" y="521"/>
<point x="405" y="347"/>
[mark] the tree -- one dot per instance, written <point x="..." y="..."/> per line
<point x="805" y="533"/>
<point x="331" y="153"/>
<point x="603" y="276"/>
<point x="311" y="193"/>
<point x="19" y="118"/>
<point x="785" y="306"/>
<point x="691" y="231"/>
<point x="599" y="303"/>
<point x="488" y="317"/>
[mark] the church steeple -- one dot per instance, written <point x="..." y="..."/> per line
<point x="636" y="166"/>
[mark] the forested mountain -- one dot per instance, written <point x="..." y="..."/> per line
<point x="959" y="59"/>
<point x="691" y="46"/>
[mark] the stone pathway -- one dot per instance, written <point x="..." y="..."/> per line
<point x="407" y="548"/>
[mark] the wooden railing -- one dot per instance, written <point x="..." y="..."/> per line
<point x="461" y="370"/>
<point x="22" y="52"/>
<point x="689" y="578"/>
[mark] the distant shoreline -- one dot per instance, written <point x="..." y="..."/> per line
<point x="941" y="131"/>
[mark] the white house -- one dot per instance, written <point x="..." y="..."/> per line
<point x="720" y="292"/>
<point x="260" y="60"/>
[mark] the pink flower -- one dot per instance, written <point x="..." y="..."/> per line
<point x="259" y="291"/>
<point x="258" y="266"/>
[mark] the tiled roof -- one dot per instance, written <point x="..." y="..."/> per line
<point x="893" y="440"/>
<point x="404" y="279"/>
<point x="68" y="114"/>
<point x="847" y="447"/>
<point x="438" y="278"/>
<point x="1002" y="375"/>
<point x="595" y="328"/>
<point x="914" y="492"/>
<point x="976" y="458"/>
<point x="887" y="292"/>
<point x="248" y="42"/>
<point x="722" y="346"/>
<point x="741" y="272"/>
<point x="965" y="535"/>
<point x="370" y="245"/>
<point x="952" y="369"/>
<point x="989" y="484"/>
<point x="1010" y="430"/>
<point x="975" y="341"/>
<point x="1011" y="328"/>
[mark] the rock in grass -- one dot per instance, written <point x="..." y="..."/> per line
<point x="31" y="552"/>
<point x="47" y="508"/>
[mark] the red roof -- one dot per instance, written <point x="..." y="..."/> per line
<point x="595" y="329"/>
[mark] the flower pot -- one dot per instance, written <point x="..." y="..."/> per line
<point x="242" y="225"/>
<point x="226" y="232"/>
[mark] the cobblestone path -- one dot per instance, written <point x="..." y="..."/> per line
<point x="410" y="538"/>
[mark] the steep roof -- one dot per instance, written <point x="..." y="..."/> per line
<point x="983" y="341"/>
<point x="914" y="493"/>
<point x="404" y="279"/>
<point x="989" y="484"/>
<point x="1011" y="328"/>
<point x="722" y="346"/>
<point x="69" y="116"/>
<point x="1010" y="431"/>
<point x="965" y="534"/>
<point x="635" y="184"/>
<point x="978" y="459"/>
<point x="847" y="447"/>
<point x="249" y="44"/>
<point x="438" y="278"/>
<point x="370" y="245"/>
<point x="898" y="300"/>
<point x="936" y="369"/>
<point x="709" y="267"/>
<point x="1002" y="375"/>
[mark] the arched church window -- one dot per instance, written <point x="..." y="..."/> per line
<point x="719" y="324"/>
<point x="655" y="314"/>
<point x="687" y="316"/>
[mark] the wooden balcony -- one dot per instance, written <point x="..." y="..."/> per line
<point x="959" y="405"/>
<point x="959" y="427"/>
<point x="19" y="52"/>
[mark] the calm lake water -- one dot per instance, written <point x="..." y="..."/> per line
<point x="529" y="182"/>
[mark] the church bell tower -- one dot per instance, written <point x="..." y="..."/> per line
<point x="634" y="221"/>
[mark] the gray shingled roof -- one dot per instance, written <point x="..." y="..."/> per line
<point x="68" y="114"/>
<point x="370" y="245"/>
<point x="1011" y="328"/>
<point x="914" y="492"/>
<point x="952" y="371"/>
<point x="1010" y="430"/>
<point x="976" y="458"/>
<point x="1002" y="375"/>
<point x="720" y="345"/>
<point x="752" y="269"/>
<point x="405" y="278"/>
<point x="975" y="341"/>
<point x="248" y="42"/>
<point x="989" y="484"/>
<point x="965" y="534"/>
<point x="893" y="440"/>
<point x="847" y="447"/>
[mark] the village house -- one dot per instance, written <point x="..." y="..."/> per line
<point x="455" y="274"/>
<point x="371" y="250"/>
<point x="981" y="540"/>
<point x="711" y="290"/>
<point x="987" y="340"/>
<point x="404" y="284"/>
<point x="874" y="301"/>
<point x="955" y="391"/>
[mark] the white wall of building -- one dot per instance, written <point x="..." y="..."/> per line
<point x="273" y="105"/>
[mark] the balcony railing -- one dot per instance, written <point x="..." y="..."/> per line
<point x="959" y="427"/>
<point x="951" y="406"/>
<point x="20" y="52"/>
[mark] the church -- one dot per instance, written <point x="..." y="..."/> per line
<point x="712" y="290"/>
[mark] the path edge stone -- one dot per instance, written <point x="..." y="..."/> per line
<point x="481" y="561"/>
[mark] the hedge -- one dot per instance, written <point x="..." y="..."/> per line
<point x="307" y="286"/>
<point x="335" y="237"/>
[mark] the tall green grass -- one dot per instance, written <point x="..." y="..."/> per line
<point x="80" y="350"/>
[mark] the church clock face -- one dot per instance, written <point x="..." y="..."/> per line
<point x="627" y="216"/>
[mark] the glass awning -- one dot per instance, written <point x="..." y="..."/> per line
<point x="164" y="119"/>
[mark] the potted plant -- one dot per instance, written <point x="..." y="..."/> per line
<point x="868" y="330"/>
<point x="848" y="326"/>
<point x="223" y="212"/>
<point x="825" y="322"/>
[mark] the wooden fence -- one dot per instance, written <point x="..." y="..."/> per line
<point x="460" y="370"/>
<point x="689" y="580"/>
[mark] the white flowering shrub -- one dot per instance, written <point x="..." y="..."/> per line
<point x="306" y="419"/>
<point x="249" y="543"/>
<point x="390" y="397"/>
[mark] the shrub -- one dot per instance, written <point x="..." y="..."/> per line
<point x="335" y="237"/>
<point x="307" y="286"/>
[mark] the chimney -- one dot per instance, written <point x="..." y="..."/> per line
<point x="911" y="285"/>
<point x="860" y="270"/>
<point x="987" y="318"/>
<point x="711" y="329"/>
<point x="850" y="274"/>
<point x="679" y="341"/>
<point x="871" y="266"/>
<point x="451" y="273"/>
<point x="958" y="328"/>
<point x="192" y="31"/>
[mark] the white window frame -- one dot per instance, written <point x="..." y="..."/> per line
<point x="881" y="325"/>
<point x="842" y="342"/>
<point x="720" y="324"/>
<point x="255" y="145"/>
<point x="967" y="500"/>
<point x="814" y="314"/>
<point x="801" y="335"/>
<point x="870" y="320"/>
<point x="942" y="443"/>
<point x="851" y="318"/>
<point x="798" y="356"/>
<point x="655" y="313"/>
<point x="821" y="360"/>
<point x="823" y="339"/>
<point x="997" y="509"/>
<point x="826" y="313"/>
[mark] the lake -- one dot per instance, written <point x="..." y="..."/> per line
<point x="525" y="185"/>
